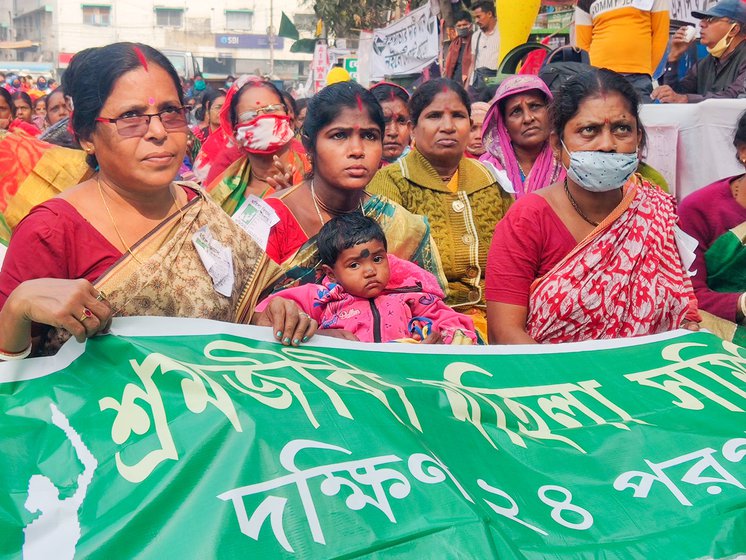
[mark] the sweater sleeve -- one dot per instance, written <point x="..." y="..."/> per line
<point x="303" y="296"/>
<point x="659" y="21"/>
<point x="583" y="28"/>
<point x="445" y="320"/>
<point x="694" y="222"/>
<point x="687" y="84"/>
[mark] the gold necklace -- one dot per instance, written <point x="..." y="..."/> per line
<point x="113" y="223"/>
<point x="317" y="202"/>
<point x="577" y="208"/>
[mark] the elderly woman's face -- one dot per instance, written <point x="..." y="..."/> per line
<point x="527" y="119"/>
<point x="442" y="130"/>
<point x="6" y="114"/>
<point x="602" y="124"/>
<point x="151" y="159"/>
<point x="398" y="128"/>
<point x="23" y="110"/>
<point x="475" y="146"/>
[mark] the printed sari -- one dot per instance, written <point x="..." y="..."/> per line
<point x="407" y="235"/>
<point x="164" y="275"/>
<point x="229" y="189"/>
<point x="625" y="279"/>
<point x="726" y="272"/>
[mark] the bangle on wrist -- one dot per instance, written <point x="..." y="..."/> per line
<point x="10" y="356"/>
<point x="742" y="306"/>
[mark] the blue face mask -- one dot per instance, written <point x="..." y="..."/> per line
<point x="199" y="85"/>
<point x="600" y="171"/>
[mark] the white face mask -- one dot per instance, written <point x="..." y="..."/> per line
<point x="265" y="134"/>
<point x="600" y="171"/>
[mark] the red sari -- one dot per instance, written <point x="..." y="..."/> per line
<point x="625" y="279"/>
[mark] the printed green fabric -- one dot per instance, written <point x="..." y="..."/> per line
<point x="726" y="261"/>
<point x="462" y="222"/>
<point x="184" y="438"/>
<point x="229" y="189"/>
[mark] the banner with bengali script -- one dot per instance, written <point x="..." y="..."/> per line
<point x="196" y="439"/>
<point x="681" y="10"/>
<point x="407" y="46"/>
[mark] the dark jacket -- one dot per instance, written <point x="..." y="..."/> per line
<point x="711" y="78"/>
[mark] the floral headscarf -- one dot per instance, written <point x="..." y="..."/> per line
<point x="546" y="170"/>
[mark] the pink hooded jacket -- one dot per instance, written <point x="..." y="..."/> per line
<point x="412" y="299"/>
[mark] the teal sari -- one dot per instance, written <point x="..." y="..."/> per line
<point x="407" y="236"/>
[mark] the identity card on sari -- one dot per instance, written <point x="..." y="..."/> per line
<point x="256" y="218"/>
<point x="217" y="258"/>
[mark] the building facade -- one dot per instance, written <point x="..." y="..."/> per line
<point x="222" y="36"/>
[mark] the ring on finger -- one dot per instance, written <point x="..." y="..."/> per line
<point x="101" y="296"/>
<point x="87" y="314"/>
<point x="302" y="314"/>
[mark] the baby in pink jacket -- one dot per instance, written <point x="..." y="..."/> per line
<point x="375" y="296"/>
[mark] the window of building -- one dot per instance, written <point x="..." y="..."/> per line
<point x="96" y="15"/>
<point x="169" y="17"/>
<point x="239" y="19"/>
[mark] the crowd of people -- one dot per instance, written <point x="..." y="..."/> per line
<point x="366" y="214"/>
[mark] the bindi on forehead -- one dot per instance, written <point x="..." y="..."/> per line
<point x="151" y="100"/>
<point x="364" y="254"/>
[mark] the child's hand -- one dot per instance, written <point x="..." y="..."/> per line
<point x="433" y="338"/>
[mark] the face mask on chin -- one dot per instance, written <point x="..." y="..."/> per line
<point x="463" y="33"/>
<point x="265" y="134"/>
<point x="722" y="45"/>
<point x="600" y="171"/>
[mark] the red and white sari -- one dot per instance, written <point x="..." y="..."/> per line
<point x="625" y="279"/>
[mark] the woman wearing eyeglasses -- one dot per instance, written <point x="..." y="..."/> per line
<point x="254" y="151"/>
<point x="128" y="241"/>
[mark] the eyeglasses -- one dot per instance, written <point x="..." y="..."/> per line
<point x="173" y="119"/>
<point x="269" y="109"/>
<point x="713" y="19"/>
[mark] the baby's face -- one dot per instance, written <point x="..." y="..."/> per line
<point x="362" y="270"/>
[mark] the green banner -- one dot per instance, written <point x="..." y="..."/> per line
<point x="196" y="439"/>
